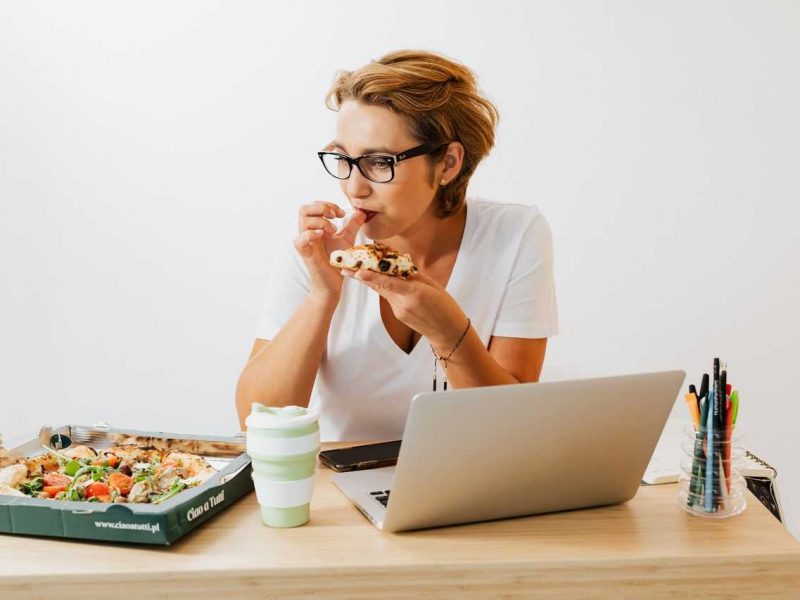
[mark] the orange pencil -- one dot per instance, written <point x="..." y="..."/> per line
<point x="694" y="411"/>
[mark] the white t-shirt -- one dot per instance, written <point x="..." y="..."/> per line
<point x="502" y="279"/>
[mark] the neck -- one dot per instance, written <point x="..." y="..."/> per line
<point x="431" y="238"/>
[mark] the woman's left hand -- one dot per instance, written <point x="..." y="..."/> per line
<point x="421" y="303"/>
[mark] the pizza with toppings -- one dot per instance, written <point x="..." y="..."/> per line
<point x="375" y="257"/>
<point x="122" y="474"/>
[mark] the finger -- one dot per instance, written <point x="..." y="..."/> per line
<point x="321" y="209"/>
<point x="420" y="277"/>
<point x="304" y="240"/>
<point x="318" y="209"/>
<point x="417" y="277"/>
<point x="317" y="223"/>
<point x="385" y="285"/>
<point x="351" y="226"/>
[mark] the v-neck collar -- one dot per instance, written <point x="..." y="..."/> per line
<point x="452" y="287"/>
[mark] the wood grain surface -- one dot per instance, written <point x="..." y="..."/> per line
<point x="645" y="547"/>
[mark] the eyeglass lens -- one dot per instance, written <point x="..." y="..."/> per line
<point x="375" y="168"/>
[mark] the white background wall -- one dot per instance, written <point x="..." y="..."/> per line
<point x="153" y="154"/>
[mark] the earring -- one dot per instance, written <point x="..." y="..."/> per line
<point x="443" y="182"/>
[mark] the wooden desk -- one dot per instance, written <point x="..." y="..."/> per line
<point x="646" y="547"/>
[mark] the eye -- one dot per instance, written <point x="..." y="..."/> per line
<point x="379" y="163"/>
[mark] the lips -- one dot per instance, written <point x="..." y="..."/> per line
<point x="370" y="214"/>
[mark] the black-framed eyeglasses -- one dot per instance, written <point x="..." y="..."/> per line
<point x="375" y="167"/>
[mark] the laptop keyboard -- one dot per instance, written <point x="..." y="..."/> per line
<point x="381" y="496"/>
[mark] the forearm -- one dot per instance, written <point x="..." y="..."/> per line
<point x="471" y="365"/>
<point x="283" y="373"/>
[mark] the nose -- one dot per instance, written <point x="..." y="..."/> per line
<point x="357" y="186"/>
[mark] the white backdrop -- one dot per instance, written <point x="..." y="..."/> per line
<point x="153" y="154"/>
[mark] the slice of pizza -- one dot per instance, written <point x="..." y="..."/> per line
<point x="374" y="257"/>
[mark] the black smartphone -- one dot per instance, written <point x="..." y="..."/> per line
<point x="368" y="456"/>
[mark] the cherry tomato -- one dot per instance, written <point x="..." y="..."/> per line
<point x="120" y="482"/>
<point x="97" y="488"/>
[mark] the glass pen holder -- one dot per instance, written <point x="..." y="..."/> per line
<point x="710" y="482"/>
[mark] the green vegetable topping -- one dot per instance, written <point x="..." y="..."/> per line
<point x="177" y="486"/>
<point x="32" y="487"/>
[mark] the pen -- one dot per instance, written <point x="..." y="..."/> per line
<point x="696" y="481"/>
<point x="713" y="493"/>
<point x="728" y="442"/>
<point x="722" y="432"/>
<point x="735" y="404"/>
<point x="704" y="387"/>
<point x="723" y="398"/>
<point x="709" y="489"/>
<point x="693" y="390"/>
<point x="723" y="494"/>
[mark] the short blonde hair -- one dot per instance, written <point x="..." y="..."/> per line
<point x="439" y="99"/>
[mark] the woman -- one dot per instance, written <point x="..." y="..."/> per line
<point x="411" y="129"/>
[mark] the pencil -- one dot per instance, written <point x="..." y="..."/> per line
<point x="691" y="402"/>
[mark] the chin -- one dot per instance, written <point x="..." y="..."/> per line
<point x="371" y="231"/>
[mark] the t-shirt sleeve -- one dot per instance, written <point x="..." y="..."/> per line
<point x="287" y="286"/>
<point x="528" y="308"/>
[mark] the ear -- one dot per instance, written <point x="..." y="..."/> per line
<point x="453" y="161"/>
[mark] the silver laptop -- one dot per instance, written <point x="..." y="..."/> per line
<point x="506" y="451"/>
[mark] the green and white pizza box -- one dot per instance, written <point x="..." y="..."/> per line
<point x="159" y="524"/>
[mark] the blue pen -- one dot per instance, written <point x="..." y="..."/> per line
<point x="710" y="455"/>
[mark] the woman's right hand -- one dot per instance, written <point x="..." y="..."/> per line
<point x="318" y="238"/>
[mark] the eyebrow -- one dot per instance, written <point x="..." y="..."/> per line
<point x="382" y="150"/>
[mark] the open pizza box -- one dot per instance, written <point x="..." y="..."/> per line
<point x="131" y="523"/>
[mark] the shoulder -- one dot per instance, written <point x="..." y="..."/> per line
<point x="505" y="218"/>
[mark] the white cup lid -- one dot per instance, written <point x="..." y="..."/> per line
<point x="279" y="417"/>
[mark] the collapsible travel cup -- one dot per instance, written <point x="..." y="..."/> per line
<point x="283" y="443"/>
